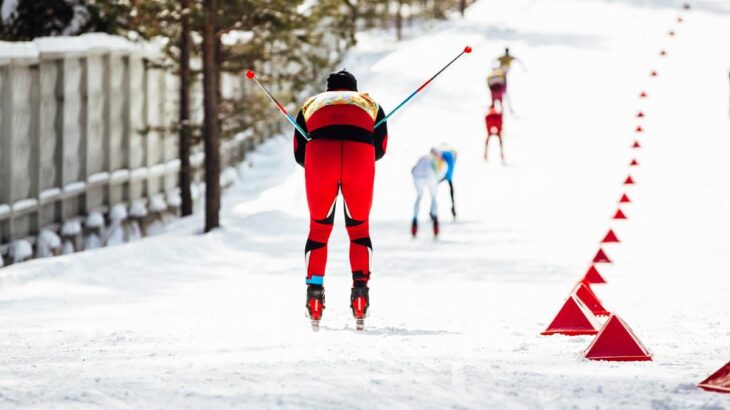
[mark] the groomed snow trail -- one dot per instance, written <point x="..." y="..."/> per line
<point x="217" y="321"/>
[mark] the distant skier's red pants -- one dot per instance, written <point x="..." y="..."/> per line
<point x="331" y="166"/>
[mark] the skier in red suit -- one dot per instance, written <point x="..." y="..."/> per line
<point x="339" y="158"/>
<point x="494" y="128"/>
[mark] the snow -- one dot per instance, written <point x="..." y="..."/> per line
<point x="183" y="320"/>
<point x="95" y="220"/>
<point x="174" y="200"/>
<point x="22" y="250"/>
<point x="8" y="8"/>
<point x="47" y="242"/>
<point x="5" y="209"/>
<point x="74" y="187"/>
<point x="25" y="204"/>
<point x="138" y="209"/>
<point x="49" y="194"/>
<point x="118" y="213"/>
<point x="93" y="241"/>
<point x="158" y="204"/>
<point x="98" y="177"/>
<point x="71" y="228"/>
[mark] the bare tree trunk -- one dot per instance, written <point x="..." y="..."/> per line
<point x="399" y="22"/>
<point x="218" y="74"/>
<point x="210" y="123"/>
<point x="186" y="207"/>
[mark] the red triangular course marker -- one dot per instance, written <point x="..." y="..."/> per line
<point x="624" y="199"/>
<point x="718" y="381"/>
<point x="643" y="94"/>
<point x="573" y="319"/>
<point x="610" y="237"/>
<point x="620" y="215"/>
<point x="634" y="162"/>
<point x="680" y="19"/>
<point x="629" y="180"/>
<point x="586" y="295"/>
<point x="663" y="53"/>
<point x="601" y="257"/>
<point x="640" y="114"/>
<point x="616" y="342"/>
<point x="593" y="276"/>
<point x="653" y="73"/>
<point x="671" y="33"/>
<point x="639" y="129"/>
<point x="636" y="145"/>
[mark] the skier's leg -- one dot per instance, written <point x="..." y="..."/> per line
<point x="433" y="191"/>
<point x="453" y="204"/>
<point x="433" y="186"/>
<point x="419" y="184"/>
<point x="358" y="175"/>
<point x="486" y="145"/>
<point x="501" y="146"/>
<point x="322" y="177"/>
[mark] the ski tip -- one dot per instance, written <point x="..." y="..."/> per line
<point x="250" y="74"/>
<point x="467" y="49"/>
<point x="360" y="324"/>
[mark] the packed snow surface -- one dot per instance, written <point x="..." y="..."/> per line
<point x="184" y="320"/>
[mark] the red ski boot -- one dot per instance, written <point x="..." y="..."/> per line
<point x="436" y="229"/>
<point x="315" y="304"/>
<point x="414" y="227"/>
<point x="359" y="302"/>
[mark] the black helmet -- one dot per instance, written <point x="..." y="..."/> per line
<point x="341" y="80"/>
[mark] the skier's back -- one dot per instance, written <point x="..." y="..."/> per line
<point x="339" y="158"/>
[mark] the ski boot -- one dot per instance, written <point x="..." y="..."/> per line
<point x="359" y="302"/>
<point x="414" y="227"/>
<point x="435" y="221"/>
<point x="315" y="304"/>
<point x="453" y="211"/>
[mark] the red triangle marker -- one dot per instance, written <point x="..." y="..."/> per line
<point x="617" y="342"/>
<point x="624" y="199"/>
<point x="671" y="33"/>
<point x="634" y="162"/>
<point x="620" y="215"/>
<point x="610" y="237"/>
<point x="643" y="94"/>
<point x="601" y="257"/>
<point x="573" y="319"/>
<point x="636" y="145"/>
<point x="718" y="381"/>
<point x="629" y="181"/>
<point x="593" y="276"/>
<point x="639" y="128"/>
<point x="640" y="114"/>
<point x="680" y="19"/>
<point x="663" y="53"/>
<point x="654" y="73"/>
<point x="586" y="295"/>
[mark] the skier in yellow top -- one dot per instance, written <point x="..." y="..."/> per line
<point x="505" y="63"/>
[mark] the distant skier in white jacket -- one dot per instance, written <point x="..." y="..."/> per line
<point x="426" y="175"/>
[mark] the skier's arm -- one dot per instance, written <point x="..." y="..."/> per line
<point x="300" y="143"/>
<point x="521" y="64"/>
<point x="381" y="135"/>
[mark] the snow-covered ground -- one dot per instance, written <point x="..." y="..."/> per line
<point x="183" y="320"/>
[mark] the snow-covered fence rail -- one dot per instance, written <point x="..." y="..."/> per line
<point x="86" y="124"/>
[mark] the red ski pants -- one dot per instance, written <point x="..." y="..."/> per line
<point x="331" y="166"/>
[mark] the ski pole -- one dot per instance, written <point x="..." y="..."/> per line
<point x="252" y="76"/>
<point x="466" y="50"/>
